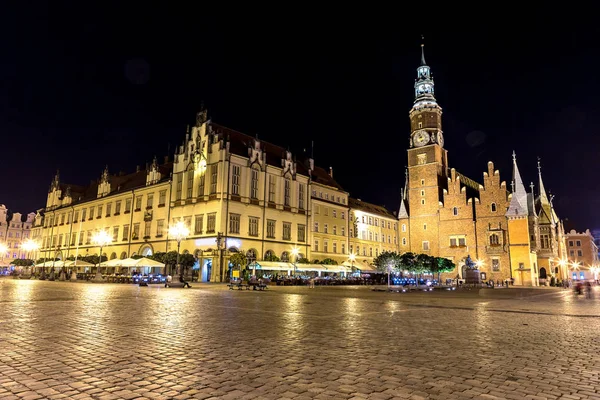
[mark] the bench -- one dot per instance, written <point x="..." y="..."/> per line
<point x="239" y="286"/>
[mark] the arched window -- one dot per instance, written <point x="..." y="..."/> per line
<point x="493" y="207"/>
<point x="556" y="270"/>
<point x="113" y="256"/>
<point x="455" y="211"/>
<point x="251" y="254"/>
<point x="543" y="273"/>
<point x="269" y="254"/>
<point x="123" y="256"/>
<point x="494" y="239"/>
<point x="285" y="256"/>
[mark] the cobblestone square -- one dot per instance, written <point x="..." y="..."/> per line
<point x="63" y="340"/>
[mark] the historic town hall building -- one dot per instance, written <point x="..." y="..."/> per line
<point x="510" y="232"/>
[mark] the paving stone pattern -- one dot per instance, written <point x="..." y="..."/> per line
<point x="62" y="340"/>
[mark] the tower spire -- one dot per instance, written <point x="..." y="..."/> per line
<point x="518" y="201"/>
<point x="423" y="51"/>
<point x="543" y="196"/>
<point x="403" y="211"/>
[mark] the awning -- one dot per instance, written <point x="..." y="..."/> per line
<point x="271" y="265"/>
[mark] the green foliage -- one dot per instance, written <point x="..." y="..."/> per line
<point x="42" y="260"/>
<point x="303" y="260"/>
<point x="22" y="262"/>
<point x="238" y="259"/>
<point x="387" y="260"/>
<point x="93" y="259"/>
<point x="316" y="261"/>
<point x="71" y="258"/>
<point x="445" y="265"/>
<point x="407" y="262"/>
<point x="329" y="261"/>
<point x="137" y="256"/>
<point x="272" y="257"/>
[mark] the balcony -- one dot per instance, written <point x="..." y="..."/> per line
<point x="495" y="249"/>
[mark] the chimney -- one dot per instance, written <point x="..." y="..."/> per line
<point x="331" y="172"/>
<point x="137" y="168"/>
<point x="166" y="159"/>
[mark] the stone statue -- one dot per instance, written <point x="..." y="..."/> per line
<point x="469" y="262"/>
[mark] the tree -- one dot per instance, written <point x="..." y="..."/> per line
<point x="272" y="257"/>
<point x="406" y="262"/>
<point x="303" y="260"/>
<point x="329" y="261"/>
<point x="18" y="262"/>
<point x="238" y="260"/>
<point x="386" y="260"/>
<point x="187" y="261"/>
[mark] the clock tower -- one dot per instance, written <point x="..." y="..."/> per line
<point x="427" y="164"/>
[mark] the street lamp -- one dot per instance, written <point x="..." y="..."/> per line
<point x="30" y="246"/>
<point x="101" y="238"/>
<point x="179" y="232"/>
<point x="295" y="252"/>
<point x="352" y="258"/>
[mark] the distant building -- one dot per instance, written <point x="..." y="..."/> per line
<point x="13" y="231"/>
<point x="582" y="255"/>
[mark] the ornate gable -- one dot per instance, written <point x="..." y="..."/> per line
<point x="288" y="166"/>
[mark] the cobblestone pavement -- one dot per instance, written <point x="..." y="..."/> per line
<point x="109" y="341"/>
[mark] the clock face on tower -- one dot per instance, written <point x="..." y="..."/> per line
<point x="421" y="138"/>
<point x="440" y="139"/>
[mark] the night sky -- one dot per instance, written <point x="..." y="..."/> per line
<point x="117" y="86"/>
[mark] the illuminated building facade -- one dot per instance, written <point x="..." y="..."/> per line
<point x="512" y="234"/>
<point x="13" y="232"/>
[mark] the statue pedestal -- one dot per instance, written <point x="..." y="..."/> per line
<point x="98" y="278"/>
<point x="473" y="277"/>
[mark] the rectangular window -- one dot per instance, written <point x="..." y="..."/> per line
<point x="99" y="212"/>
<point x="572" y="252"/>
<point x="335" y="247"/>
<point x="118" y="207"/>
<point x="211" y="222"/>
<point x="317" y="209"/>
<point x="343" y="215"/>
<point x="138" y="203"/>
<point x="147" y="227"/>
<point x="162" y="197"/>
<point x="325" y="228"/>
<point x="316" y="227"/>
<point x="570" y="243"/>
<point x="334" y="213"/>
<point x="187" y="221"/>
<point x="579" y="253"/>
<point x="60" y="239"/>
<point x="254" y="184"/>
<point x="108" y="209"/>
<point x="325" y="246"/>
<point x="125" y="232"/>
<point x="62" y="217"/>
<point x="301" y="196"/>
<point x="453" y="242"/>
<point x="201" y="185"/>
<point x="578" y="243"/>
<point x="198" y="224"/>
<point x="403" y="241"/>
<point x="150" y="201"/>
<point x="76" y="217"/>
<point x="115" y="233"/>
<point x="271" y="189"/>
<point x="370" y="220"/>
<point x="73" y="239"/>
<point x="462" y="241"/>
<point x="89" y="237"/>
<point x="343" y="248"/>
<point x="545" y="242"/>
<point x="128" y="205"/>
<point x="316" y="245"/>
<point x="271" y="229"/>
<point x="136" y="231"/>
<point x="343" y="231"/>
<point x="301" y="233"/>
<point x="80" y="238"/>
<point x="425" y="245"/>
<point x="235" y="180"/>
<point x="350" y="248"/>
<point x="178" y="186"/>
<point x="190" y="184"/>
<point x="214" y="171"/>
<point x="160" y="227"/>
<point x="326" y="211"/>
<point x="69" y="218"/>
<point x="91" y="213"/>
<point x="287" y="193"/>
<point x="253" y="226"/>
<point x="335" y="229"/>
<point x="287" y="231"/>
<point x="234" y="223"/>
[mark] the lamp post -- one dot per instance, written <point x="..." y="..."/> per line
<point x="30" y="246"/>
<point x="3" y="250"/>
<point x="352" y="257"/>
<point x="101" y="239"/>
<point x="295" y="252"/>
<point x="178" y="232"/>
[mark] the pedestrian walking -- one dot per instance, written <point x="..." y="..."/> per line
<point x="588" y="290"/>
<point x="168" y="280"/>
